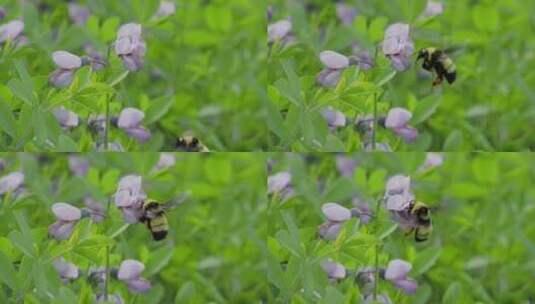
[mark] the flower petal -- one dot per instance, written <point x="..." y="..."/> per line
<point x="277" y="182"/>
<point x="334" y="60"/>
<point x="66" y="60"/>
<point x="139" y="285"/>
<point x="336" y="213"/>
<point x="130" y="270"/>
<point x="397" y="117"/>
<point x="334" y="270"/>
<point x="11" y="182"/>
<point x="66" y="212"/>
<point x="397" y="270"/>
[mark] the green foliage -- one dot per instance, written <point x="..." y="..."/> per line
<point x="202" y="75"/>
<point x="214" y="251"/>
<point x="480" y="251"/>
<point x="489" y="107"/>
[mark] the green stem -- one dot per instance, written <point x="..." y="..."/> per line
<point x="377" y="249"/>
<point x="107" y="277"/>
<point x="374" y="128"/>
<point x="119" y="79"/>
<point x="107" y="124"/>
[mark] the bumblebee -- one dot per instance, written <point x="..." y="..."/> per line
<point x="154" y="217"/>
<point x="437" y="60"/>
<point x="421" y="221"/>
<point x="190" y="144"/>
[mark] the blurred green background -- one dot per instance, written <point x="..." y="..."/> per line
<point x="213" y="253"/>
<point x="490" y="106"/>
<point x="482" y="248"/>
<point x="203" y="73"/>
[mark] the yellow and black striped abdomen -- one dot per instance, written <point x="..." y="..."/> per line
<point x="158" y="226"/>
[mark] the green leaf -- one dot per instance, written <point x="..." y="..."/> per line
<point x="66" y="144"/>
<point x="159" y="258"/>
<point x="158" y="108"/>
<point x="485" y="17"/>
<point x="452" y="294"/>
<point x="426" y="259"/>
<point x="425" y="108"/>
<point x="7" y="121"/>
<point x="109" y="29"/>
<point x="453" y="141"/>
<point x="186" y="293"/>
<point x="7" y="272"/>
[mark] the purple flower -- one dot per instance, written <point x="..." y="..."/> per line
<point x="130" y="121"/>
<point x="334" y="118"/>
<point x="67" y="271"/>
<point x="130" y="46"/>
<point x="398" y="194"/>
<point x="346" y="13"/>
<point x="166" y="9"/>
<point x="398" y="46"/>
<point x="96" y="210"/>
<point x="335" y="271"/>
<point x="336" y="215"/>
<point x="2" y="13"/>
<point x="280" y="183"/>
<point x="433" y="8"/>
<point x="78" y="165"/>
<point x="396" y="272"/>
<point x="12" y="182"/>
<point x="95" y="58"/>
<point x="66" y="217"/>
<point x="129" y="198"/>
<point x="361" y="210"/>
<point x="167" y="160"/>
<point x="346" y="165"/>
<point x="432" y="160"/>
<point x="78" y="13"/>
<point x="11" y="30"/>
<point x="67" y="64"/>
<point x="397" y="120"/>
<point x="280" y="31"/>
<point x="129" y="272"/>
<point x="67" y="119"/>
<point x="334" y="64"/>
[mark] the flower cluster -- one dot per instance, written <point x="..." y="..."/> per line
<point x="12" y="183"/>
<point x="130" y="46"/>
<point x="129" y="198"/>
<point x="280" y="31"/>
<point x="397" y="121"/>
<point x="130" y="120"/>
<point x="281" y="184"/>
<point x="336" y="215"/>
<point x="398" y="46"/>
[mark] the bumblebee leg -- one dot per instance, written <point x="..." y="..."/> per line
<point x="438" y="80"/>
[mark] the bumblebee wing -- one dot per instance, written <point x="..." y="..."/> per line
<point x="176" y="201"/>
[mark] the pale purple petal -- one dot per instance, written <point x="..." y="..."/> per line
<point x="61" y="230"/>
<point x="334" y="60"/>
<point x="328" y="77"/>
<point x="130" y="118"/>
<point x="66" y="118"/>
<point x="329" y="230"/>
<point x="277" y="182"/>
<point x="396" y="202"/>
<point x="166" y="160"/>
<point x="397" y="117"/>
<point x="11" y="30"/>
<point x="130" y="269"/>
<point x="334" y="270"/>
<point x="408" y="133"/>
<point x="432" y="160"/>
<point x="346" y="165"/>
<point x="346" y="13"/>
<point x="278" y="30"/>
<point x="130" y="182"/>
<point x="139" y="133"/>
<point x="408" y="285"/>
<point x="66" y="212"/>
<point x="78" y="165"/>
<point x="398" y="184"/>
<point x="65" y="269"/>
<point x="78" y="13"/>
<point x="61" y="78"/>
<point x="132" y="215"/>
<point x="334" y="118"/>
<point x="2" y="13"/>
<point x="336" y="213"/>
<point x="433" y="8"/>
<point x="130" y="30"/>
<point x="397" y="270"/>
<point x="11" y="182"/>
<point x="167" y="8"/>
<point x="124" y="46"/>
<point x="66" y="60"/>
<point x="139" y="285"/>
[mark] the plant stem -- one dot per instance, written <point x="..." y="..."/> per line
<point x="107" y="277"/>
<point x="119" y="79"/>
<point x="374" y="127"/>
<point x="377" y="248"/>
<point x="107" y="124"/>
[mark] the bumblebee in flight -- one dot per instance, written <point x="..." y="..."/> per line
<point x="437" y="60"/>
<point x="421" y="221"/>
<point x="190" y="144"/>
<point x="154" y="216"/>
